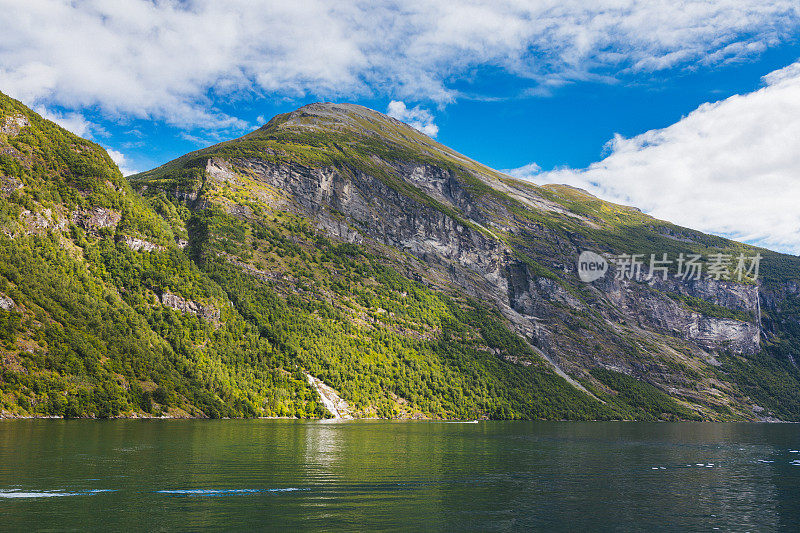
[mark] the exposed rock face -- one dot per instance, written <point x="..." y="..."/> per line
<point x="442" y="185"/>
<point x="11" y="125"/>
<point x="36" y="223"/>
<point x="219" y="170"/>
<point x="528" y="293"/>
<point x="661" y="313"/>
<point x="241" y="211"/>
<point x="383" y="213"/>
<point x="186" y="195"/>
<point x="9" y="184"/>
<point x="97" y="218"/>
<point x="728" y="294"/>
<point x="716" y="333"/>
<point x="6" y="302"/>
<point x="137" y="245"/>
<point x="189" y="306"/>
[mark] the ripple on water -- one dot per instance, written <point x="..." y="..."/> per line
<point x="695" y="465"/>
<point x="222" y="492"/>
<point x="18" y="493"/>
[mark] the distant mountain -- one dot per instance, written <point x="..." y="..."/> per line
<point x="337" y="251"/>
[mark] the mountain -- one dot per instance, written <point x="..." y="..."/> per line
<point x="339" y="260"/>
<point x="101" y="313"/>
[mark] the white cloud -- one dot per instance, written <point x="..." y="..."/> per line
<point x="71" y="121"/>
<point x="121" y="161"/>
<point x="170" y="61"/>
<point x="731" y="167"/>
<point x="77" y="124"/>
<point x="525" y="172"/>
<point x="420" y="119"/>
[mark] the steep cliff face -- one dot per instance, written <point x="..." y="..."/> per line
<point x="663" y="314"/>
<point x="457" y="226"/>
<point x="339" y="243"/>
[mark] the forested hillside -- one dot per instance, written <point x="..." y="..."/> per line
<point x="108" y="315"/>
<point x="84" y="329"/>
<point x="341" y="244"/>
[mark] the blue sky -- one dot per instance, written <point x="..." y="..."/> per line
<point x="495" y="122"/>
<point x="688" y="110"/>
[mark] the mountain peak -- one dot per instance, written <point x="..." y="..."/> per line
<point x="344" y="117"/>
<point x="324" y="113"/>
<point x="338" y="243"/>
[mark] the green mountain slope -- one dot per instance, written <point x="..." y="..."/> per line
<point x="109" y="316"/>
<point x="353" y="175"/>
<point x="84" y="331"/>
<point x="338" y="243"/>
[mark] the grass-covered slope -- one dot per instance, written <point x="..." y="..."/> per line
<point x="259" y="210"/>
<point x="84" y="332"/>
<point x="339" y="243"/>
<point x="108" y="316"/>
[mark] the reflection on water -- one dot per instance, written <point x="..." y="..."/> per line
<point x="323" y="445"/>
<point x="419" y="475"/>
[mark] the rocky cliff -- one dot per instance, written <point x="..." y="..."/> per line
<point x="339" y="243"/>
<point x="361" y="177"/>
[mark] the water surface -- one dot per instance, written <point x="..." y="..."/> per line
<point x="280" y="474"/>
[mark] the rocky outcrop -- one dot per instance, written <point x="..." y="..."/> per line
<point x="375" y="209"/>
<point x="443" y="185"/>
<point x="12" y="124"/>
<point x="38" y="222"/>
<point x="189" y="306"/>
<point x="530" y="294"/>
<point x="9" y="184"/>
<point x="728" y="294"/>
<point x="724" y="333"/>
<point x="97" y="218"/>
<point x="138" y="245"/>
<point x="659" y="312"/>
<point x="6" y="302"/>
<point x="219" y="170"/>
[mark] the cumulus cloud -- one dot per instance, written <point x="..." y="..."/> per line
<point x="121" y="161"/>
<point x="71" y="121"/>
<point x="420" y="119"/>
<point x="730" y="167"/>
<point x="525" y="172"/>
<point x="170" y="61"/>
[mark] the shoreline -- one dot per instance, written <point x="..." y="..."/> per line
<point x="440" y="420"/>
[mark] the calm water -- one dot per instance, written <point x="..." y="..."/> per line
<point x="277" y="474"/>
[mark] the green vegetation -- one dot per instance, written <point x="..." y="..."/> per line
<point x="388" y="344"/>
<point x="230" y="325"/>
<point x="709" y="309"/>
<point x="65" y="173"/>
<point x="769" y="380"/>
<point x="88" y="335"/>
<point x="634" y="399"/>
<point x="96" y="354"/>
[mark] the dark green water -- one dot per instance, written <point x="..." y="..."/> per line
<point x="289" y="475"/>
